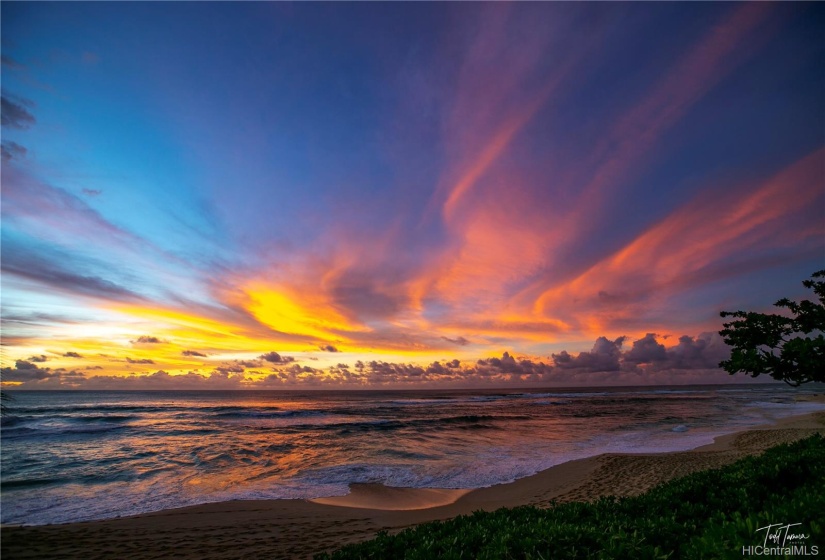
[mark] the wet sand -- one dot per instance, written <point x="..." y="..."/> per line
<point x="300" y="528"/>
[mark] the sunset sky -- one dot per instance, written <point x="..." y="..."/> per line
<point x="394" y="195"/>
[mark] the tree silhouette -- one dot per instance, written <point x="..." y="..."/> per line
<point x="788" y="347"/>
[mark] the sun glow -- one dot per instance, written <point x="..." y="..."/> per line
<point x="290" y="313"/>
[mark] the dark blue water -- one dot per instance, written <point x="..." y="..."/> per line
<point x="70" y="456"/>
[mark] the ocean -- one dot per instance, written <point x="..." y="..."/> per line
<point x="77" y="456"/>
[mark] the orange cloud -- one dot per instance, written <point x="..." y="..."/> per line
<point x="298" y="313"/>
<point x="491" y="151"/>
<point x="699" y="243"/>
<point x="500" y="240"/>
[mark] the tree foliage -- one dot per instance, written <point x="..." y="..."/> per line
<point x="788" y="347"/>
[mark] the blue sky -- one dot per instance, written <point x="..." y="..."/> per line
<point x="404" y="183"/>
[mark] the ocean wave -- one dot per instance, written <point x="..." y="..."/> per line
<point x="71" y="459"/>
<point x="24" y="424"/>
<point x="75" y="409"/>
<point x="9" y="421"/>
<point x="193" y="431"/>
<point x="52" y="430"/>
<point x="30" y="483"/>
<point x="469" y="421"/>
<point x="267" y="413"/>
<point x="420" y="402"/>
<point x="103" y="418"/>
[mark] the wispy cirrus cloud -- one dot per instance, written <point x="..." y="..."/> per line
<point x="496" y="180"/>
<point x="507" y="235"/>
<point x="26" y="263"/>
<point x="703" y="241"/>
<point x="12" y="150"/>
<point x="489" y="263"/>
<point x="15" y="112"/>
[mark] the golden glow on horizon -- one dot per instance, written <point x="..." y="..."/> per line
<point x="173" y="317"/>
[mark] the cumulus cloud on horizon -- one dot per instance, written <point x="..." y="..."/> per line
<point x="647" y="361"/>
<point x="606" y="355"/>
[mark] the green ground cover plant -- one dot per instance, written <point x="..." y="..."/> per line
<point x="710" y="514"/>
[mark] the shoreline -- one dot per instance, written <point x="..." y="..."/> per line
<point x="279" y="528"/>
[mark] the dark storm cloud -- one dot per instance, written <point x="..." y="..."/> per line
<point x="193" y="353"/>
<point x="39" y="359"/>
<point x="14" y="113"/>
<point x="72" y="355"/>
<point x="329" y="348"/>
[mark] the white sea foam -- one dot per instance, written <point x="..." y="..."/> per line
<point x="73" y="457"/>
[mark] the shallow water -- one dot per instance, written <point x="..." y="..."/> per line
<point x="72" y="456"/>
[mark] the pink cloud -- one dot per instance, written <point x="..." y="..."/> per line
<point x="699" y="243"/>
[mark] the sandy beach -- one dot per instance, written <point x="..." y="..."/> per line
<point x="300" y="528"/>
